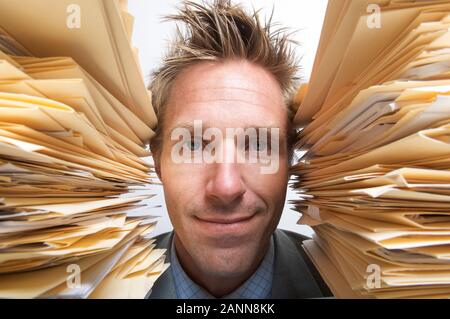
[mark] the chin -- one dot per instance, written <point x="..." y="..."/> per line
<point x="229" y="262"/>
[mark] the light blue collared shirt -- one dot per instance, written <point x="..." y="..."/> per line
<point x="258" y="286"/>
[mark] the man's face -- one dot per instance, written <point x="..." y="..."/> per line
<point x="224" y="213"/>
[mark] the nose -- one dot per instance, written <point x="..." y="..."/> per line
<point x="225" y="185"/>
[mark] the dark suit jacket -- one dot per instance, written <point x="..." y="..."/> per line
<point x="294" y="274"/>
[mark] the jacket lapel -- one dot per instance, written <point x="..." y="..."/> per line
<point x="292" y="277"/>
<point x="164" y="287"/>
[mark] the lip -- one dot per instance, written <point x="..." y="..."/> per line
<point x="221" y="227"/>
<point x="225" y="221"/>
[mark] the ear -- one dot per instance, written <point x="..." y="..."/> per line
<point x="157" y="168"/>
<point x="156" y="155"/>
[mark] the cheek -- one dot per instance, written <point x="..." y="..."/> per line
<point x="267" y="185"/>
<point x="175" y="189"/>
<point x="182" y="183"/>
<point x="270" y="188"/>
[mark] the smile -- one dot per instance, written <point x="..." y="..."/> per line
<point x="225" y="220"/>
<point x="218" y="226"/>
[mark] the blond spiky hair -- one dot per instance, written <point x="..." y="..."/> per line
<point x="220" y="31"/>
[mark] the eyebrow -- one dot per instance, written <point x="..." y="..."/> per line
<point x="190" y="128"/>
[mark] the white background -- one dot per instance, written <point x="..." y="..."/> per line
<point x="150" y="36"/>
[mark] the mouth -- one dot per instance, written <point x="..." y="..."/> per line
<point x="226" y="221"/>
<point x="217" y="226"/>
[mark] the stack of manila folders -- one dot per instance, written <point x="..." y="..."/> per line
<point x="75" y="118"/>
<point x="374" y="182"/>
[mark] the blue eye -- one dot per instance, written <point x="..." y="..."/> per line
<point x="257" y="145"/>
<point x="194" y="145"/>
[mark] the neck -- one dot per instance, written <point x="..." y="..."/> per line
<point x="216" y="285"/>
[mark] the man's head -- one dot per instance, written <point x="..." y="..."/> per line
<point x="229" y="71"/>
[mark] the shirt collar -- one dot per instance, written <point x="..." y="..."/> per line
<point x="258" y="286"/>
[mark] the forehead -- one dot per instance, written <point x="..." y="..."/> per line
<point x="224" y="93"/>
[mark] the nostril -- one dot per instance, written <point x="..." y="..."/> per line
<point x="225" y="187"/>
<point x="226" y="193"/>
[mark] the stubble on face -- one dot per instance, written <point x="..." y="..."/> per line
<point x="232" y="94"/>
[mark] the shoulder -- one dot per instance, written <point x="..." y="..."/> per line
<point x="293" y="237"/>
<point x="288" y="241"/>
<point x="294" y="269"/>
<point x="164" y="240"/>
<point x="164" y="287"/>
